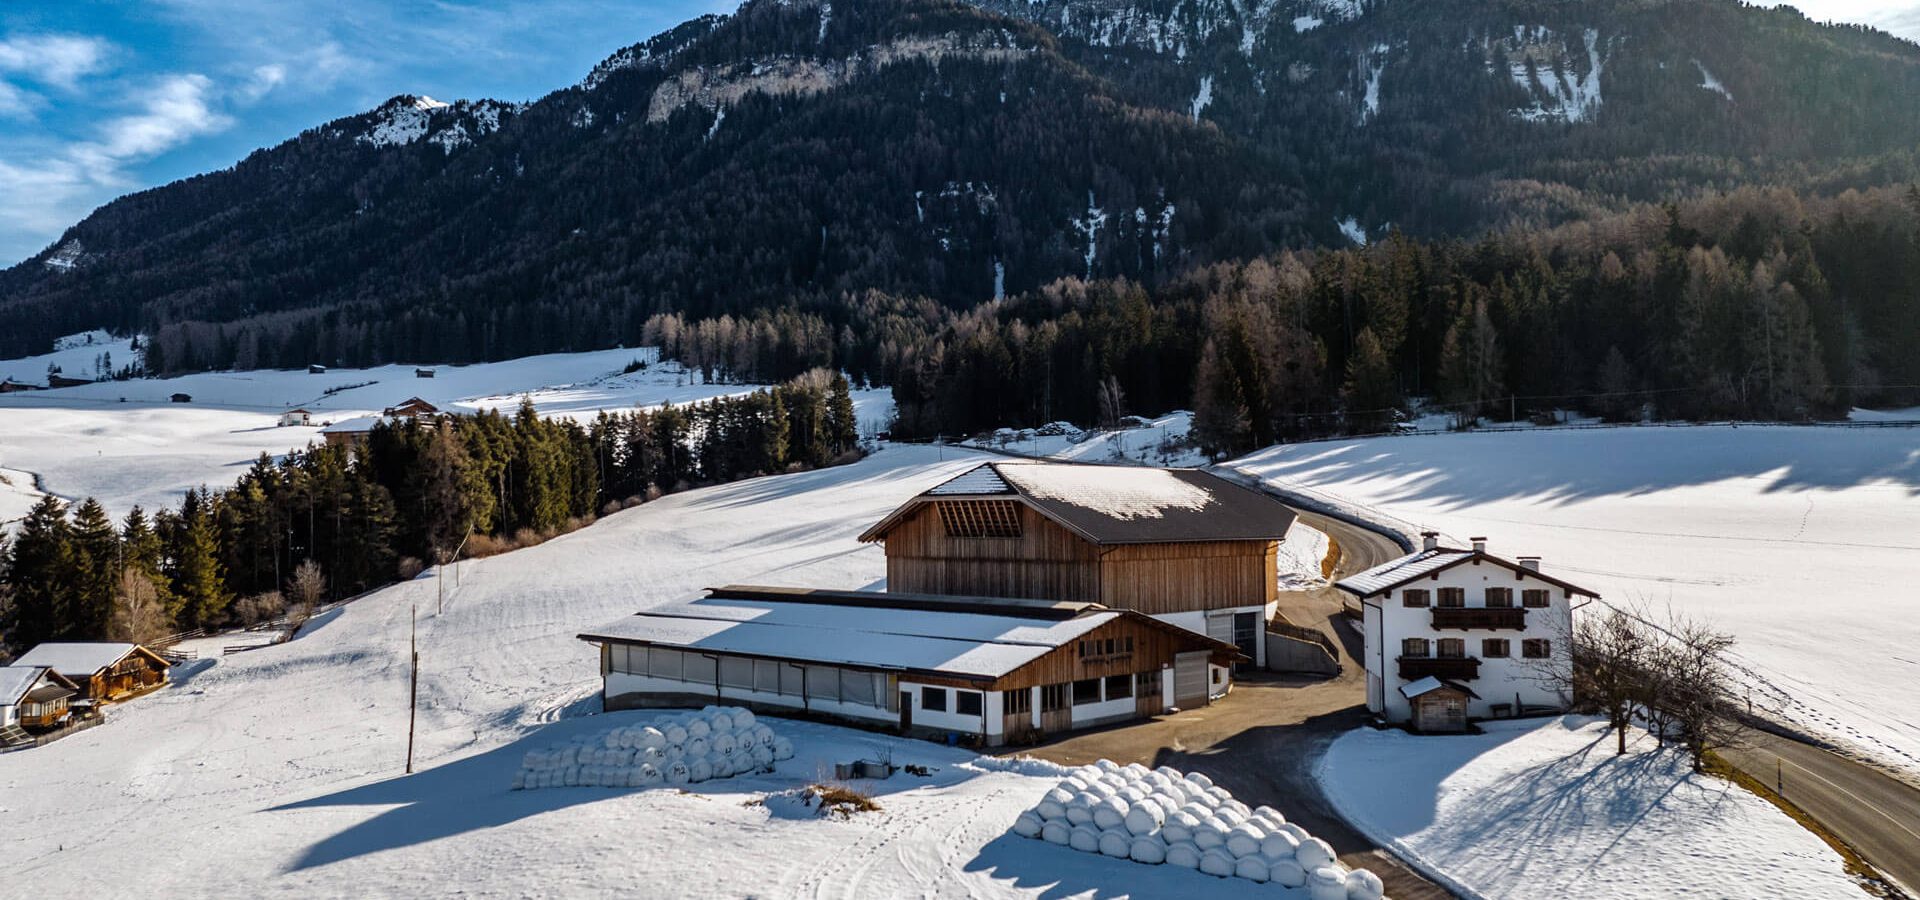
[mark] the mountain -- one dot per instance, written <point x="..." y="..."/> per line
<point x="810" y="156"/>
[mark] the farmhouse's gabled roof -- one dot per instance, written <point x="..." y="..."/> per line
<point x="83" y="658"/>
<point x="1117" y="504"/>
<point x="17" y="680"/>
<point x="1394" y="573"/>
<point x="871" y="630"/>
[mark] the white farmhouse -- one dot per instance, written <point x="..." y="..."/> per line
<point x="1457" y="634"/>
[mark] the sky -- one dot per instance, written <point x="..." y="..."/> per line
<point x="99" y="98"/>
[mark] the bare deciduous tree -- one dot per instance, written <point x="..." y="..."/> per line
<point x="138" y="615"/>
<point x="305" y="590"/>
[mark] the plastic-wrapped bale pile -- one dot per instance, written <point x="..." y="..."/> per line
<point x="716" y="742"/>
<point x="1162" y="816"/>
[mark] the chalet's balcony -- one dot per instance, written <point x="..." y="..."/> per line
<point x="1456" y="668"/>
<point x="1480" y="618"/>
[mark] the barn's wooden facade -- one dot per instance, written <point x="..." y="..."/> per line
<point x="1001" y="670"/>
<point x="104" y="671"/>
<point x="1179" y="544"/>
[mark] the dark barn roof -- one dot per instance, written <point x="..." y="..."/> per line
<point x="1117" y="504"/>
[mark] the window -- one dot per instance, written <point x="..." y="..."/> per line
<point x="858" y="687"/>
<point x="1453" y="648"/>
<point x="1119" y="686"/>
<point x="980" y="518"/>
<point x="1416" y="598"/>
<point x="1085" y="691"/>
<point x="766" y="676"/>
<point x="1536" y="648"/>
<point x="966" y="703"/>
<point x="1453" y="598"/>
<point x="823" y="683"/>
<point x="1534" y="598"/>
<point x="664" y="663"/>
<point x="1017" y="702"/>
<point x="1415" y="647"/>
<point x="1129" y="644"/>
<point x="933" y="698"/>
<point x="1494" y="648"/>
<point x="1053" y="697"/>
<point x="736" y="672"/>
<point x="1499" y="598"/>
<point x="1147" y="684"/>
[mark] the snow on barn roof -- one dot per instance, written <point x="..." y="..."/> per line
<point x="1399" y="571"/>
<point x="353" y="426"/>
<point x="79" y="658"/>
<point x="16" y="680"/>
<point x="958" y="643"/>
<point x="1119" y="504"/>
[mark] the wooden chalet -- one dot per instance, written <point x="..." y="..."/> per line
<point x="56" y="380"/>
<point x="1178" y="544"/>
<point x="412" y="407"/>
<point x="997" y="669"/>
<point x="10" y="386"/>
<point x="102" y="671"/>
<point x="32" y="699"/>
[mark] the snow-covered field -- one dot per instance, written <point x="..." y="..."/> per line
<point x="124" y="443"/>
<point x="1138" y="446"/>
<point x="1544" y="809"/>
<point x="1801" y="541"/>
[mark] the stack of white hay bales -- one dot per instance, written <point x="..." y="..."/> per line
<point x="716" y="742"/>
<point x="1163" y="816"/>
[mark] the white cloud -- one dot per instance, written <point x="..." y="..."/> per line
<point x="53" y="59"/>
<point x="265" y="78"/>
<point x="16" y="103"/>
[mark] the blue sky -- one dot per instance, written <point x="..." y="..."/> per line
<point x="100" y="98"/>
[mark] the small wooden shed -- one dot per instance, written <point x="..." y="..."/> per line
<point x="1438" y="706"/>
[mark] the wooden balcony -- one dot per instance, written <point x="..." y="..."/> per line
<point x="1477" y="618"/>
<point x="1458" y="668"/>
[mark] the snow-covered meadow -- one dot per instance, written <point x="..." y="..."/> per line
<point x="1801" y="541"/>
<point x="1140" y="445"/>
<point x="125" y="443"/>
<point x="1544" y="809"/>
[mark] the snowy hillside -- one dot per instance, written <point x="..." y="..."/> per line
<point x="1799" y="541"/>
<point x="77" y="355"/>
<point x="124" y="443"/>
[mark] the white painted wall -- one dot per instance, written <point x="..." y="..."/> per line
<point x="947" y="720"/>
<point x="9" y="714"/>
<point x="1104" y="711"/>
<point x="1388" y="621"/>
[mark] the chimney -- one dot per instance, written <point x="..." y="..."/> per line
<point x="1479" y="545"/>
<point x="1530" y="563"/>
<point x="1429" y="540"/>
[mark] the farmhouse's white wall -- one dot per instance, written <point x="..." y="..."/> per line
<point x="947" y="720"/>
<point x="9" y="714"/>
<point x="1104" y="711"/>
<point x="1387" y="622"/>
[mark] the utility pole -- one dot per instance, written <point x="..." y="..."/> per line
<point x="413" y="679"/>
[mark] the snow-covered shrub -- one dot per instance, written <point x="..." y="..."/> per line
<point x="679" y="749"/>
<point x="1164" y="816"/>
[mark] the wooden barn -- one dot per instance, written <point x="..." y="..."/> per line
<point x="32" y="699"/>
<point x="103" y="671"/>
<point x="1181" y="545"/>
<point x="996" y="670"/>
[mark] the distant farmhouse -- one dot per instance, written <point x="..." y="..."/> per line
<point x="1000" y="670"/>
<point x="1456" y="634"/>
<point x="353" y="432"/>
<point x="296" y="417"/>
<point x="102" y="671"/>
<point x="1183" y="546"/>
<point x="33" y="699"/>
<point x="1023" y="599"/>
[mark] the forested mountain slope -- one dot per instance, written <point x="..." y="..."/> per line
<point x="868" y="167"/>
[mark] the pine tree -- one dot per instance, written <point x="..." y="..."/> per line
<point x="40" y="566"/>
<point x="97" y="567"/>
<point x="1221" y="423"/>
<point x="1369" y="392"/>
<point x="199" y="584"/>
<point x="1470" y="363"/>
<point x="843" y="425"/>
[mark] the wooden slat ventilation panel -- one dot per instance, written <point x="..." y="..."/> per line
<point x="980" y="518"/>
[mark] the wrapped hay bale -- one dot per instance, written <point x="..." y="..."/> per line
<point x="1111" y="813"/>
<point x="1028" y="824"/>
<point x="1085" y="838"/>
<point x="698" y="747"/>
<point x="1299" y="834"/>
<point x="743" y="718"/>
<point x="1279" y="845"/>
<point x="1286" y="872"/>
<point x="1056" y="832"/>
<point x="1116" y="842"/>
<point x="1229" y="815"/>
<point x="1080" y="808"/>
<point x="1269" y="816"/>
<point x="1364" y="885"/>
<point x="698" y="770"/>
<point x="650" y="737"/>
<point x="720" y="766"/>
<point x="1217" y="862"/>
<point x="1074" y="782"/>
<point x="1151" y="850"/>
<point x="1144" y="818"/>
<point x="677" y="773"/>
<point x="762" y="757"/>
<point x="1210" y="835"/>
<point x="1136" y="770"/>
<point x="720" y="721"/>
<point x="1106" y="765"/>
<point x="1199" y="779"/>
<point x="762" y="735"/>
<point x="1050" y="809"/>
<point x="1238" y="808"/>
<point x="1314" y="853"/>
<point x="675" y="733"/>
<point x="725" y="745"/>
<point x="650" y="775"/>
<point x="1179" y="827"/>
<point x="1171" y="773"/>
<point x="1205" y="799"/>
<point x="782" y="748"/>
<point x="1327" y="883"/>
<point x="1252" y="868"/>
<point x="1133" y="794"/>
<point x="1183" y="854"/>
<point x="1243" y="840"/>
